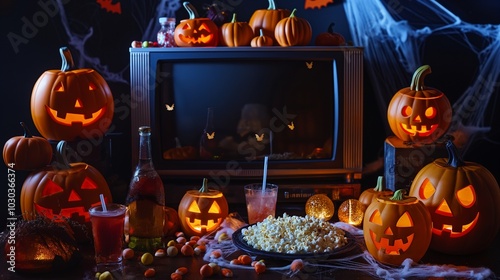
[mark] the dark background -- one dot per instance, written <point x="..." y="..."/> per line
<point x="108" y="46"/>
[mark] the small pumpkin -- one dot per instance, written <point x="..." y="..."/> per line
<point x="463" y="199"/>
<point x="330" y="38"/>
<point x="266" y="19"/>
<point x="27" y="152"/>
<point x="293" y="31"/>
<point x="261" y="41"/>
<point x="63" y="190"/>
<point x="71" y="103"/>
<point x="172" y="223"/>
<point x="202" y="211"/>
<point x="196" y="31"/>
<point x="367" y="196"/>
<point x="236" y="33"/>
<point x="396" y="228"/>
<point x="418" y="113"/>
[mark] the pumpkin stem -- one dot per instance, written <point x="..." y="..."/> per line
<point x="67" y="59"/>
<point x="330" y="27"/>
<point x="27" y="132"/>
<point x="293" y="13"/>
<point x="234" y="18"/>
<point x="417" y="82"/>
<point x="454" y="157"/>
<point x="398" y="195"/>
<point x="379" y="186"/>
<point x="272" y="6"/>
<point x="204" y="186"/>
<point x="261" y="32"/>
<point x="193" y="13"/>
<point x="61" y="155"/>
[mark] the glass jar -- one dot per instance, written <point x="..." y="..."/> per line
<point x="165" y="35"/>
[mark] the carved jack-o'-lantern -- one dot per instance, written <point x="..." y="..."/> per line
<point x="196" y="31"/>
<point x="64" y="190"/>
<point x="418" y="113"/>
<point x="201" y="212"/>
<point x="396" y="228"/>
<point x="71" y="103"/>
<point x="463" y="199"/>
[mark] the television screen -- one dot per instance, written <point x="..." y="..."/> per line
<point x="219" y="110"/>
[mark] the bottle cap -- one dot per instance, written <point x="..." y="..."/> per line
<point x="162" y="20"/>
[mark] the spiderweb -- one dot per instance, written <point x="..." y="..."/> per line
<point x="362" y="262"/>
<point x="394" y="36"/>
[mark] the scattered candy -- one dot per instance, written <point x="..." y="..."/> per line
<point x="175" y="276"/>
<point x="206" y="270"/>
<point x="259" y="267"/>
<point x="128" y="254"/>
<point x="297" y="265"/>
<point x="215" y="267"/>
<point x="147" y="259"/>
<point x="106" y="275"/>
<point x="187" y="250"/>
<point x="181" y="240"/>
<point x="181" y="270"/>
<point x="223" y="237"/>
<point x="245" y="259"/>
<point x="171" y="243"/>
<point x="216" y="254"/>
<point x="235" y="262"/>
<point x="160" y="253"/>
<point x="172" y="251"/>
<point x="150" y="272"/>
<point x="226" y="272"/>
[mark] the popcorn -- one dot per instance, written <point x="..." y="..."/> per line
<point x="294" y="235"/>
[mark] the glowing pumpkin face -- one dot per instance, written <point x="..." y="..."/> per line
<point x="201" y="212"/>
<point x="196" y="32"/>
<point x="396" y="228"/>
<point x="71" y="103"/>
<point x="462" y="198"/>
<point x="67" y="191"/>
<point x="418" y="113"/>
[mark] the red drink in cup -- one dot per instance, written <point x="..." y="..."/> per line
<point x="107" y="229"/>
<point x="260" y="204"/>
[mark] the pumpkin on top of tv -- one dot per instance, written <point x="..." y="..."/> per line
<point x="293" y="31"/>
<point x="202" y="211"/>
<point x="267" y="19"/>
<point x="236" y="33"/>
<point x="71" y="103"/>
<point x="419" y="114"/>
<point x="463" y="199"/>
<point x="196" y="31"/>
<point x="63" y="190"/>
<point x="27" y="152"/>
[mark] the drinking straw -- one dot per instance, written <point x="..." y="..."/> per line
<point x="264" y="177"/>
<point x="103" y="203"/>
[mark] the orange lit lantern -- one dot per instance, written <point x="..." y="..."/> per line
<point x="71" y="103"/>
<point x="27" y="152"/>
<point x="367" y="196"/>
<point x="418" y="113"/>
<point x="202" y="212"/>
<point x="351" y="212"/>
<point x="195" y="31"/>
<point x="64" y="190"/>
<point x="463" y="199"/>
<point x="396" y="228"/>
<point x="320" y="206"/>
<point x="266" y="20"/>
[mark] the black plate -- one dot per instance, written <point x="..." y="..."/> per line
<point x="241" y="244"/>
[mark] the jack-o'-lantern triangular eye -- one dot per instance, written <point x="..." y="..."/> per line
<point x="427" y="189"/>
<point x="375" y="217"/>
<point x="88" y="184"/>
<point x="203" y="26"/>
<point x="51" y="188"/>
<point x="466" y="196"/>
<point x="215" y="208"/>
<point x="194" y="208"/>
<point x="186" y="26"/>
<point x="59" y="87"/>
<point x="405" y="220"/>
<point x="92" y="86"/>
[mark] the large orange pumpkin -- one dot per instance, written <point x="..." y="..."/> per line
<point x="202" y="211"/>
<point x="64" y="190"/>
<point x="418" y="113"/>
<point x="266" y="19"/>
<point x="464" y="201"/>
<point x="396" y="228"/>
<point x="27" y="152"/>
<point x="236" y="33"/>
<point x="293" y="31"/>
<point x="196" y="31"/>
<point x="71" y="103"/>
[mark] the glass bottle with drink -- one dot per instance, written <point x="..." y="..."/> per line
<point x="145" y="201"/>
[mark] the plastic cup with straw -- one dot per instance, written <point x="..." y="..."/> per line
<point x="261" y="198"/>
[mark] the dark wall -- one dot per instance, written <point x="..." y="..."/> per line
<point x="33" y="31"/>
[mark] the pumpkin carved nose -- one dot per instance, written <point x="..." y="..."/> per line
<point x="418" y="118"/>
<point x="78" y="104"/>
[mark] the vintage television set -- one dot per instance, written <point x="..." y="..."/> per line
<point x="217" y="112"/>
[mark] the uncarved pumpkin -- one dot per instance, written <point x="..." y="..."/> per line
<point x="71" y="103"/>
<point x="63" y="190"/>
<point x="202" y="211"/>
<point x="418" y="113"/>
<point x="27" y="152"/>
<point x="464" y="201"/>
<point x="293" y="31"/>
<point x="236" y="33"/>
<point x="367" y="196"/>
<point x="261" y="41"/>
<point x="396" y="228"/>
